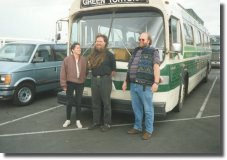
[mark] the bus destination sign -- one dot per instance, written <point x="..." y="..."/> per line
<point x="93" y="3"/>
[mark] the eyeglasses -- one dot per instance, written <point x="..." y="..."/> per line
<point x="99" y="41"/>
<point x="141" y="39"/>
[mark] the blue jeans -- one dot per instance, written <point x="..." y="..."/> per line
<point x="142" y="103"/>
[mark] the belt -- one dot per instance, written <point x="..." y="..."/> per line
<point x="101" y="76"/>
<point x="141" y="82"/>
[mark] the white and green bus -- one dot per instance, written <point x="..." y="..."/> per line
<point x="179" y="35"/>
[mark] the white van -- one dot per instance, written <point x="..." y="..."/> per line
<point x="29" y="67"/>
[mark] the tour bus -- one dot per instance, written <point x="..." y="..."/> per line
<point x="178" y="33"/>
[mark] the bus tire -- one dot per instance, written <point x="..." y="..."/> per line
<point x="182" y="95"/>
<point x="205" y="79"/>
<point x="24" y="94"/>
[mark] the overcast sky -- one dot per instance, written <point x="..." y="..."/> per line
<point x="37" y="18"/>
<point x="207" y="10"/>
<point x="31" y="18"/>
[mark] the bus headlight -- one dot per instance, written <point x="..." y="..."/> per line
<point x="5" y="79"/>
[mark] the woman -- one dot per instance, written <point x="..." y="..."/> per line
<point x="72" y="77"/>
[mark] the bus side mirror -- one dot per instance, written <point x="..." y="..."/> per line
<point x="58" y="36"/>
<point x="176" y="47"/>
<point x="59" y="24"/>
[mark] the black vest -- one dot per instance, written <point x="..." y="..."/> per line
<point x="145" y="71"/>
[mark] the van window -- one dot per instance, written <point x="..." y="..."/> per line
<point x="44" y="51"/>
<point x="16" y="52"/>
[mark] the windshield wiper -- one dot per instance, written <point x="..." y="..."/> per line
<point x="88" y="48"/>
<point x="6" y="59"/>
<point x="123" y="44"/>
<point x="111" y="26"/>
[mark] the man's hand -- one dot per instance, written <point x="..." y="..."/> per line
<point x="154" y="87"/>
<point x="124" y="86"/>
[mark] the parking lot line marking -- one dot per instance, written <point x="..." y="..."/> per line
<point x="30" y="115"/>
<point x="116" y="125"/>
<point x="41" y="132"/>
<point x="187" y="119"/>
<point x="199" y="115"/>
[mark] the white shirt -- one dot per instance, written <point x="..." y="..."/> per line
<point x="77" y="69"/>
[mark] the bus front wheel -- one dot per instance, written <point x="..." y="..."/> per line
<point x="182" y="94"/>
<point x="205" y="79"/>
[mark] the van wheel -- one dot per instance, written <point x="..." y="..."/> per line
<point x="24" y="94"/>
<point x="182" y="94"/>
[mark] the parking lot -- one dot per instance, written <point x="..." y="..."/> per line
<point x="37" y="128"/>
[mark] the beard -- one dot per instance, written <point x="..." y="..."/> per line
<point x="100" y="49"/>
<point x="97" y="56"/>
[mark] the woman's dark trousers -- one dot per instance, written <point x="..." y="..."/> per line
<point x="71" y="100"/>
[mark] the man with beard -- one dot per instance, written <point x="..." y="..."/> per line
<point x="103" y="67"/>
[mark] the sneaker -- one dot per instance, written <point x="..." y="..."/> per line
<point x="78" y="124"/>
<point x="67" y="123"/>
<point x="134" y="131"/>
<point x="93" y="126"/>
<point x="146" y="136"/>
<point x="105" y="128"/>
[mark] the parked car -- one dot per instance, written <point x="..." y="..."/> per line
<point x="215" y="45"/>
<point x="27" y="68"/>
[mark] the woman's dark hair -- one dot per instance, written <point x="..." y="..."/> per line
<point x="74" y="45"/>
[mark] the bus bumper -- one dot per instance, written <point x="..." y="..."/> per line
<point x="116" y="104"/>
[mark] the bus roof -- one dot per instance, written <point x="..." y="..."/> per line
<point x="168" y="7"/>
<point x="84" y="5"/>
<point x="89" y="5"/>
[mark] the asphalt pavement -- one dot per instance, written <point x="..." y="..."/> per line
<point x="37" y="128"/>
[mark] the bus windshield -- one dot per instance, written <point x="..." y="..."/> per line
<point x="122" y="28"/>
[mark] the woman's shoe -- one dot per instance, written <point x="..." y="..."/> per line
<point x="66" y="124"/>
<point x="78" y="124"/>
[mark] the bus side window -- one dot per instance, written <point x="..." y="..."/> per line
<point x="188" y="34"/>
